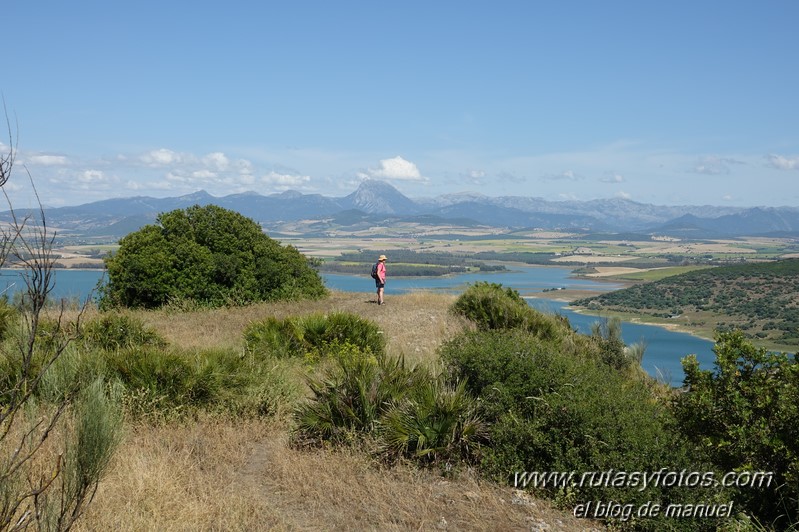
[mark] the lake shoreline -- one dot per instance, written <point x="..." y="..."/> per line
<point x="569" y="296"/>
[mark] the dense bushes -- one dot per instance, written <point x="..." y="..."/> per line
<point x="312" y="335"/>
<point x="490" y="306"/>
<point x="556" y="401"/>
<point x="155" y="380"/>
<point x="401" y="411"/>
<point x="551" y="411"/>
<point x="117" y="331"/>
<point x="745" y="414"/>
<point x="205" y="254"/>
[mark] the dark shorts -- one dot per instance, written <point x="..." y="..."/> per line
<point x="378" y="284"/>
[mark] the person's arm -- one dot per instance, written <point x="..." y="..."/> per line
<point x="381" y="272"/>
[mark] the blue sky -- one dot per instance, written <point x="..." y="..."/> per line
<point x="661" y="102"/>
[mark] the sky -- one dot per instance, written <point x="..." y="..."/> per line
<point x="669" y="103"/>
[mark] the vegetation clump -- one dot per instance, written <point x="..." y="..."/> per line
<point x="206" y="254"/>
<point x="113" y="331"/>
<point x="403" y="412"/>
<point x="490" y="306"/>
<point x="745" y="415"/>
<point x="312" y="335"/>
<point x="759" y="299"/>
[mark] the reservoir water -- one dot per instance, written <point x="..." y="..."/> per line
<point x="664" y="348"/>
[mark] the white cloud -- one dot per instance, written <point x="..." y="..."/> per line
<point x="244" y="167"/>
<point x="217" y="160"/>
<point x="395" y="168"/>
<point x="623" y="195"/>
<point x="285" y="181"/>
<point x="510" y="178"/>
<point x="714" y="165"/>
<point x="176" y="178"/>
<point x="161" y="157"/>
<point x="203" y="174"/>
<point x="48" y="160"/>
<point x="783" y="163"/>
<point x="474" y="177"/>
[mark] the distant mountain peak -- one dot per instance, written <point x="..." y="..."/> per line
<point x="200" y="195"/>
<point x="375" y="196"/>
<point x="288" y="194"/>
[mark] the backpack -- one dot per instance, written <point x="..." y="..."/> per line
<point x="374" y="271"/>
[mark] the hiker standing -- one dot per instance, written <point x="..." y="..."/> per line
<point x="380" y="277"/>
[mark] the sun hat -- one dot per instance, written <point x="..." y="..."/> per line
<point x="382" y="257"/>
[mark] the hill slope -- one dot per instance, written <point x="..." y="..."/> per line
<point x="760" y="299"/>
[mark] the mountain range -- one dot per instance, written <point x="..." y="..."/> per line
<point x="378" y="201"/>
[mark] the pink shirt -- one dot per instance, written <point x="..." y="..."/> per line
<point x="381" y="271"/>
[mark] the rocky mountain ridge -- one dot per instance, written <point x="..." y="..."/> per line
<point x="380" y="200"/>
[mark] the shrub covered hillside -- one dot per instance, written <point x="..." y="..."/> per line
<point x="207" y="255"/>
<point x="760" y="299"/>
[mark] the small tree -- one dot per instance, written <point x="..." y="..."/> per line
<point x="209" y="255"/>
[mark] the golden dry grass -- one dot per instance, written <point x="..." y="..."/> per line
<point x="414" y="324"/>
<point x="227" y="475"/>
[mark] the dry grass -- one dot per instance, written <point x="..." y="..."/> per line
<point x="226" y="475"/>
<point x="414" y="324"/>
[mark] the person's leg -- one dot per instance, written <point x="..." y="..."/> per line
<point x="380" y="296"/>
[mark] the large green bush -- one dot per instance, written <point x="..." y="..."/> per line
<point x="490" y="306"/>
<point x="552" y="411"/>
<point x="745" y="414"/>
<point x="207" y="254"/>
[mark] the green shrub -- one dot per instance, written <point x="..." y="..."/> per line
<point x="404" y="412"/>
<point x="314" y="335"/>
<point x="490" y="306"/>
<point x="97" y="431"/>
<point x="165" y="379"/>
<point x="606" y="336"/>
<point x="9" y="316"/>
<point x="552" y="411"/>
<point x="276" y="338"/>
<point x="745" y="414"/>
<point x="206" y="254"/>
<point x="172" y="383"/>
<point x="118" y="331"/>
<point x="73" y="371"/>
<point x="51" y="334"/>
<point x="354" y="392"/>
<point x="435" y="422"/>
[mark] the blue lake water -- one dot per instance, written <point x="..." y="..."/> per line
<point x="664" y="348"/>
<point x="68" y="284"/>
<point x="661" y="359"/>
